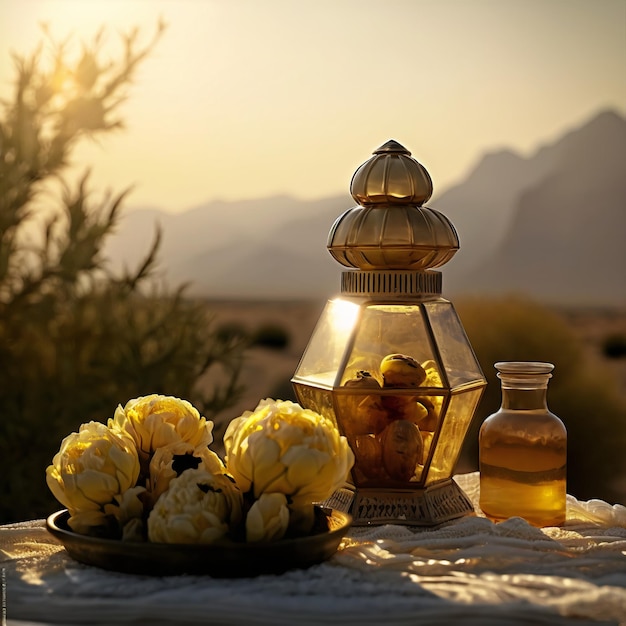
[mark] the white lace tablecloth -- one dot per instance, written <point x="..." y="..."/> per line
<point x="467" y="571"/>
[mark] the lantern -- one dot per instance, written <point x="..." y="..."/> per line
<point x="389" y="361"/>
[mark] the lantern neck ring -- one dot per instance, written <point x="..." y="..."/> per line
<point x="391" y="283"/>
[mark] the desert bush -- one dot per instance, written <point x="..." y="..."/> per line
<point x="233" y="331"/>
<point x="581" y="392"/>
<point x="614" y="346"/>
<point x="271" y="335"/>
<point x="76" y="340"/>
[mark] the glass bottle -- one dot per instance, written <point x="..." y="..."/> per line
<point x="522" y="450"/>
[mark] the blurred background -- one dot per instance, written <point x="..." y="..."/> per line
<point x="148" y="145"/>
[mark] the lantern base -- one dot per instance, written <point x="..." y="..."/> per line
<point x="429" y="506"/>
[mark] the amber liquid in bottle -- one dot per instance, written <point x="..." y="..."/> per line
<point x="523" y="450"/>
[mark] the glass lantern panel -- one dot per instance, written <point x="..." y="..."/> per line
<point x="457" y="356"/>
<point x="318" y="400"/>
<point x="386" y="329"/>
<point x="323" y="356"/>
<point x="453" y="430"/>
<point x="383" y="432"/>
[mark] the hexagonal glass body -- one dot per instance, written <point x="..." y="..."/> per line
<point x="406" y="426"/>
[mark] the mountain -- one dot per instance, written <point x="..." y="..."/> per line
<point x="193" y="232"/>
<point x="550" y="225"/>
<point x="268" y="248"/>
<point x="485" y="202"/>
<point x="289" y="261"/>
<point x="565" y="238"/>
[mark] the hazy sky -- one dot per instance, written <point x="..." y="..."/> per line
<point x="249" y="98"/>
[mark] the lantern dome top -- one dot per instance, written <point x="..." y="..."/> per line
<point x="390" y="229"/>
<point x="391" y="176"/>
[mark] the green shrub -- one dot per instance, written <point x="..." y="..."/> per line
<point x="581" y="393"/>
<point x="614" y="346"/>
<point x="271" y="335"/>
<point x="76" y="340"/>
<point x="233" y="331"/>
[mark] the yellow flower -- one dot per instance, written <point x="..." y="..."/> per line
<point x="156" y="421"/>
<point x="267" y="519"/>
<point x="169" y="462"/>
<point x="198" y="507"/>
<point x="128" y="510"/>
<point x="92" y="468"/>
<point x="282" y="448"/>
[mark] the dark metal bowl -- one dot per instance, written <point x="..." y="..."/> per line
<point x="223" y="560"/>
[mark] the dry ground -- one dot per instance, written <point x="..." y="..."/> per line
<point x="593" y="327"/>
<point x="267" y="372"/>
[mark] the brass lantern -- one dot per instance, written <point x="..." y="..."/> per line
<point x="389" y="361"/>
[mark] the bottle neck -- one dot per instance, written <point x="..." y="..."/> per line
<point x="517" y="399"/>
<point x="524" y="384"/>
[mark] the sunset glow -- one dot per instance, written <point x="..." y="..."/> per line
<point x="246" y="99"/>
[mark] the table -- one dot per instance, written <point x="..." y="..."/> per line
<point x="468" y="571"/>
